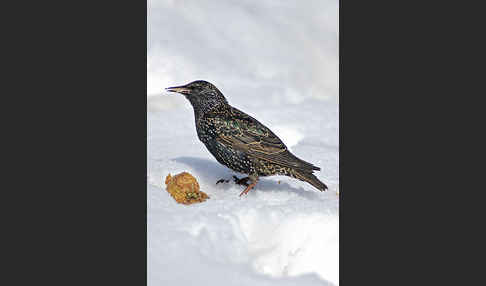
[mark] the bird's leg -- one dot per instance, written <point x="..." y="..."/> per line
<point x="254" y="181"/>
<point x="242" y="181"/>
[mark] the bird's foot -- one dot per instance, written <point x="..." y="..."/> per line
<point x="222" y="181"/>
<point x="248" y="188"/>
<point x="242" y="181"/>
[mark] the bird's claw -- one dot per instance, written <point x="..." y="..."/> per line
<point x="242" y="181"/>
<point x="248" y="188"/>
<point x="244" y="192"/>
<point x="222" y="181"/>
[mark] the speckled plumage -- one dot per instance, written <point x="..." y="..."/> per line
<point x="239" y="141"/>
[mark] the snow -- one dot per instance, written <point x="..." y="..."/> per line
<point x="283" y="233"/>
<point x="252" y="43"/>
<point x="277" y="61"/>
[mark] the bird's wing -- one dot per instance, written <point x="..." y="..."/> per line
<point x="244" y="133"/>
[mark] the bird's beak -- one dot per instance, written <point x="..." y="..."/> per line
<point x="179" y="89"/>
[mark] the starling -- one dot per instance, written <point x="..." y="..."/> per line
<point x="239" y="141"/>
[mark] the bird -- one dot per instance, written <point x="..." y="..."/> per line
<point x="239" y="141"/>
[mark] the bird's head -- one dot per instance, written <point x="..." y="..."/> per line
<point x="203" y="95"/>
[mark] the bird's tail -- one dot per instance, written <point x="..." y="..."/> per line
<point x="311" y="179"/>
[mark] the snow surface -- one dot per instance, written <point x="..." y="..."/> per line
<point x="254" y="43"/>
<point x="277" y="61"/>
<point x="283" y="233"/>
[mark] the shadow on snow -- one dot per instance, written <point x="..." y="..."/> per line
<point x="211" y="171"/>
